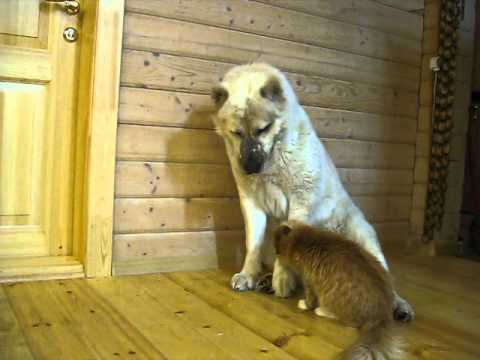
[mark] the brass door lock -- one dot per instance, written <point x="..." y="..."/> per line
<point x="70" y="34"/>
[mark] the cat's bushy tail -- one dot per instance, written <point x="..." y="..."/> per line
<point x="379" y="341"/>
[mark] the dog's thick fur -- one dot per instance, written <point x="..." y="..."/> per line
<point x="345" y="282"/>
<point x="282" y="171"/>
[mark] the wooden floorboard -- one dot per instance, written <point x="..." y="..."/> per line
<point x="195" y="315"/>
<point x="11" y="335"/>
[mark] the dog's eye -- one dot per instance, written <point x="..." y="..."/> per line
<point x="264" y="129"/>
<point x="237" y="133"/>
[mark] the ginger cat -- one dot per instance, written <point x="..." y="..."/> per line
<point x="345" y="282"/>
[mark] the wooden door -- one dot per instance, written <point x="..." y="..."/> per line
<point x="38" y="104"/>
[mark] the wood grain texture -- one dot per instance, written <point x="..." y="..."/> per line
<point x="60" y="136"/>
<point x="421" y="170"/>
<point x="179" y="314"/>
<point x="12" y="341"/>
<point x="20" y="240"/>
<point x="417" y="221"/>
<point x="200" y="250"/>
<point x="16" y="16"/>
<point x="178" y="340"/>
<point x="281" y="23"/>
<point x="224" y="334"/>
<point x="407" y="5"/>
<point x="22" y="107"/>
<point x="423" y="144"/>
<point x="384" y="208"/>
<point x="144" y="179"/>
<point x="100" y="158"/>
<point x="170" y="144"/>
<point x="176" y="214"/>
<point x="18" y="63"/>
<point x="146" y="69"/>
<point x="60" y="317"/>
<point x="356" y="72"/>
<point x="178" y="251"/>
<point x="425" y="118"/>
<point x="86" y="68"/>
<point x="170" y="36"/>
<point x="365" y="13"/>
<point x="39" y="268"/>
<point x="423" y="138"/>
<point x="38" y="88"/>
<point x="156" y="179"/>
<point x="426" y="93"/>
<point x="188" y="145"/>
<point x="176" y="109"/>
<point x="137" y="215"/>
<point x="430" y="41"/>
<point x="431" y="19"/>
<point x="292" y="329"/>
<point x="19" y="17"/>
<point x="419" y="196"/>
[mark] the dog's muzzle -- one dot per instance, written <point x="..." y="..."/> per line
<point x="252" y="156"/>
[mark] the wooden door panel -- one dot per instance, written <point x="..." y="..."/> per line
<point x="27" y="64"/>
<point x="25" y="23"/>
<point x="19" y="17"/>
<point x="20" y="108"/>
<point x="38" y="97"/>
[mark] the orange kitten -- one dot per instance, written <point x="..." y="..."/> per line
<point x="345" y="282"/>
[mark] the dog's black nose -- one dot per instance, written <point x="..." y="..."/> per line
<point x="251" y="166"/>
<point x="252" y="156"/>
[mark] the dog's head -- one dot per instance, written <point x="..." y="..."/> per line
<point x="251" y="105"/>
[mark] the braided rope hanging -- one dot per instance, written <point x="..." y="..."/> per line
<point x="442" y="115"/>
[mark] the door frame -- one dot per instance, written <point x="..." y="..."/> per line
<point x="99" y="88"/>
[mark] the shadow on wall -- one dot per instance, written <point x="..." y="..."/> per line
<point x="203" y="185"/>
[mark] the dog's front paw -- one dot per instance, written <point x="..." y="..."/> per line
<point x="283" y="282"/>
<point x="242" y="282"/>
<point x="403" y="310"/>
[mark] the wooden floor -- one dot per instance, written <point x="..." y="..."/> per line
<point x="196" y="316"/>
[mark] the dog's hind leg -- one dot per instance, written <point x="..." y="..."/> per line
<point x="255" y="225"/>
<point x="360" y="231"/>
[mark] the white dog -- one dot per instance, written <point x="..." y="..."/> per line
<point x="282" y="171"/>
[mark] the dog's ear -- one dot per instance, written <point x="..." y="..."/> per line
<point x="272" y="90"/>
<point x="219" y="96"/>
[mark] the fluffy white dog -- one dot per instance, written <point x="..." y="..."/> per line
<point x="283" y="172"/>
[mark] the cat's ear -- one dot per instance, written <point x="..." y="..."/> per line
<point x="284" y="229"/>
<point x="280" y="233"/>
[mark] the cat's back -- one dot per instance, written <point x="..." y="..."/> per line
<point x="353" y="283"/>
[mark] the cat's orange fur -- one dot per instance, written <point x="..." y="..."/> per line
<point x="343" y="281"/>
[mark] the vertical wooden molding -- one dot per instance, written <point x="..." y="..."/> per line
<point x="431" y="22"/>
<point x="101" y="139"/>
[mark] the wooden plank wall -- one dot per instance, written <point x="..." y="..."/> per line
<point x="356" y="70"/>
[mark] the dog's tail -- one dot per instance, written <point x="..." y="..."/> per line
<point x="378" y="341"/>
